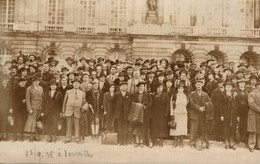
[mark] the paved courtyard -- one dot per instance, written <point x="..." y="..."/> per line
<point x="93" y="152"/>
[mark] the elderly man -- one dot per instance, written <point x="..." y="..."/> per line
<point x="74" y="100"/>
<point x="253" y="121"/>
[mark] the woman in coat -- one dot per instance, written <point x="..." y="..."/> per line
<point x="159" y="115"/>
<point x="178" y="110"/>
<point x="142" y="130"/>
<point x="109" y="105"/>
<point x="228" y="116"/>
<point x="19" y="107"/>
<point x="52" y="109"/>
<point x="94" y="97"/>
<point x="34" y="102"/>
<point x="5" y="104"/>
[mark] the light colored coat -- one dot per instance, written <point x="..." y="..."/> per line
<point x="34" y="98"/>
<point x="72" y="103"/>
<point x="253" y="121"/>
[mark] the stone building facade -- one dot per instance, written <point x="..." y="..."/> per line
<point x="226" y="30"/>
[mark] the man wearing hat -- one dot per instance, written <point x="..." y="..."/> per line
<point x="253" y="124"/>
<point x="241" y="102"/>
<point x="141" y="130"/>
<point x="129" y="72"/>
<point x="19" y="108"/>
<point x="217" y="100"/>
<point x="34" y="102"/>
<point x="73" y="104"/>
<point x="251" y="83"/>
<point x="6" y="105"/>
<point x="83" y="61"/>
<point x="121" y="112"/>
<point x="197" y="100"/>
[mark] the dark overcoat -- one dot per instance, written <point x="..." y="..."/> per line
<point x="96" y="103"/>
<point x="52" y="107"/>
<point x="159" y="115"/>
<point x="109" y="106"/>
<point x="19" y="107"/>
<point x="5" y="106"/>
<point x="122" y="104"/>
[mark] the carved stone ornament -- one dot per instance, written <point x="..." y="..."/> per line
<point x="52" y="52"/>
<point x="152" y="15"/>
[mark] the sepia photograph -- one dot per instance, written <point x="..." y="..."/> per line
<point x="130" y="81"/>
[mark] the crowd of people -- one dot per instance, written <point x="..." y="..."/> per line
<point x="143" y="101"/>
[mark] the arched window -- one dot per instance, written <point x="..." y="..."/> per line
<point x="181" y="55"/>
<point x="116" y="54"/>
<point x="218" y="56"/>
<point x="5" y="55"/>
<point x="84" y="53"/>
<point x="247" y="58"/>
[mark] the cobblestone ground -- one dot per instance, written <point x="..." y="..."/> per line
<point x="91" y="151"/>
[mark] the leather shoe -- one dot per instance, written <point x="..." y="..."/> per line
<point x="136" y="144"/>
<point x="251" y="149"/>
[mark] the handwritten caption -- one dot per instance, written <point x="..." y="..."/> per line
<point x="59" y="153"/>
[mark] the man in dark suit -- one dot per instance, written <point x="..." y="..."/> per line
<point x="121" y="112"/>
<point x="217" y="99"/>
<point x="198" y="99"/>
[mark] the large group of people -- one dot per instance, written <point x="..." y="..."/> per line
<point x="143" y="101"/>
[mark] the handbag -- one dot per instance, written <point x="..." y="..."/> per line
<point x="171" y="123"/>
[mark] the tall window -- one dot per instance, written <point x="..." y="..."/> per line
<point x="87" y="11"/>
<point x="118" y="13"/>
<point x="7" y="11"/>
<point x="181" y="13"/>
<point x="56" y="12"/>
<point x="5" y="55"/>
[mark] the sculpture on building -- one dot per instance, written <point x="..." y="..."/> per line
<point x="152" y="5"/>
<point x="152" y="15"/>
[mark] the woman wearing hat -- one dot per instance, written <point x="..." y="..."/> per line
<point x="141" y="130"/>
<point x="228" y="116"/>
<point x="169" y="88"/>
<point x="103" y="84"/>
<point x="34" y="102"/>
<point x="178" y="110"/>
<point x="109" y="105"/>
<point x="85" y="86"/>
<point x="242" y="106"/>
<point x="6" y="105"/>
<point x="52" y="109"/>
<point x="117" y="81"/>
<point x="159" y="115"/>
<point x="19" y="106"/>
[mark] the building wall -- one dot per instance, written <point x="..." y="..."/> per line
<point x="180" y="25"/>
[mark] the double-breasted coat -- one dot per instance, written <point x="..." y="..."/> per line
<point x="159" y="115"/>
<point x="52" y="107"/>
<point x="34" y="102"/>
<point x="197" y="101"/>
<point x="253" y="121"/>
